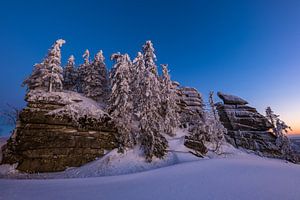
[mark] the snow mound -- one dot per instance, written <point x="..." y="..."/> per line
<point x="84" y="108"/>
<point x="114" y="163"/>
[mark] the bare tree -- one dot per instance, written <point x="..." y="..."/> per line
<point x="10" y="115"/>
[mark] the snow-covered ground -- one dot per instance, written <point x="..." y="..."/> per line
<point x="242" y="177"/>
<point x="232" y="175"/>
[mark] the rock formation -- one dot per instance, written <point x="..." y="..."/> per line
<point x="191" y="111"/>
<point x="246" y="127"/>
<point x="190" y="104"/>
<point x="58" y="130"/>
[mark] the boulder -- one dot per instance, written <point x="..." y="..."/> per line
<point x="59" y="130"/>
<point x="196" y="145"/>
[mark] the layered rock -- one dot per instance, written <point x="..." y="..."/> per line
<point x="191" y="111"/>
<point x="246" y="127"/>
<point x="59" y="130"/>
<point x="190" y="105"/>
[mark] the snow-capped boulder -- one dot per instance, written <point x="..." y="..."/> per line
<point x="58" y="130"/>
<point x="246" y="127"/>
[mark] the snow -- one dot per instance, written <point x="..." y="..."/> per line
<point x="243" y="177"/>
<point x="232" y="175"/>
<point x="86" y="107"/>
<point x="75" y="105"/>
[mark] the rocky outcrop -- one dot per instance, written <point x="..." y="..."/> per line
<point x="246" y="127"/>
<point x="190" y="105"/>
<point x="191" y="112"/>
<point x="59" y="130"/>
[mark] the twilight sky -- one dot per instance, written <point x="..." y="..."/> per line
<point x="248" y="48"/>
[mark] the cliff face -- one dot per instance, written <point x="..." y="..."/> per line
<point x="59" y="130"/>
<point x="246" y="127"/>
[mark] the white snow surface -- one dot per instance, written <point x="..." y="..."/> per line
<point x="234" y="175"/>
<point x="243" y="177"/>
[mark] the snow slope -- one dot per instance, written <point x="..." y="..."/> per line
<point x="244" y="177"/>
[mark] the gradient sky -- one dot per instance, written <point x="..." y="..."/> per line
<point x="248" y="48"/>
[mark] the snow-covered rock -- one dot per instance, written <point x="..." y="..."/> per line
<point x="190" y="105"/>
<point x="246" y="127"/>
<point x="231" y="99"/>
<point x="58" y="130"/>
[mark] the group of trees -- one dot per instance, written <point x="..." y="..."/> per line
<point x="90" y="78"/>
<point x="142" y="102"/>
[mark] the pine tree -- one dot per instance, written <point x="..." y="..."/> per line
<point x="120" y="103"/>
<point x="152" y="141"/>
<point x="169" y="103"/>
<point x="70" y="75"/>
<point x="82" y="71"/>
<point x="48" y="74"/>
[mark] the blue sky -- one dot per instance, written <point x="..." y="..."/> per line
<point x="247" y="48"/>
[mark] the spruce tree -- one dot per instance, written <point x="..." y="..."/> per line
<point x="152" y="141"/>
<point x="100" y="67"/>
<point x="137" y="77"/>
<point x="70" y="75"/>
<point x="120" y="103"/>
<point x="169" y="103"/>
<point x="82" y="71"/>
<point x="92" y="83"/>
<point x="48" y="74"/>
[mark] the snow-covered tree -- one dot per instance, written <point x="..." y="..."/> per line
<point x="100" y="67"/>
<point x="70" y="75"/>
<point x="138" y="71"/>
<point x="215" y="128"/>
<point x="169" y="103"/>
<point x="152" y="141"/>
<point x="48" y="74"/>
<point x="150" y="57"/>
<point x="82" y="71"/>
<point x="91" y="81"/>
<point x="280" y="129"/>
<point x="271" y="117"/>
<point x="120" y="103"/>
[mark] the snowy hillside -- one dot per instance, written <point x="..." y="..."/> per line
<point x="244" y="177"/>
